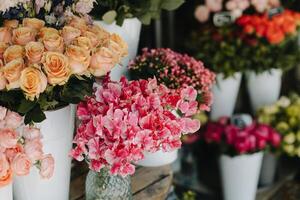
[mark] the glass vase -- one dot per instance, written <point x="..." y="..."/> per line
<point x="104" y="186"/>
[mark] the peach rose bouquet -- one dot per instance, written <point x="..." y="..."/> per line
<point x="21" y="149"/>
<point x="43" y="68"/>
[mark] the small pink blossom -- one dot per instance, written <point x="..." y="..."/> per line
<point x="47" y="166"/>
<point x="202" y="13"/>
<point x="34" y="149"/>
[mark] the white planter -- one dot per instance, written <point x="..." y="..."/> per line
<point x="6" y="192"/>
<point x="130" y="32"/>
<point x="240" y="176"/>
<point x="268" y="169"/>
<point x="225" y="92"/>
<point x="57" y="131"/>
<point x="158" y="158"/>
<point x="264" y="88"/>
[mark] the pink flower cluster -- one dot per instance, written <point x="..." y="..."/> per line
<point x="175" y="70"/>
<point x="20" y="149"/>
<point x="123" y="120"/>
<point x="250" y="139"/>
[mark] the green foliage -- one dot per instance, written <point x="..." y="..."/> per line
<point x="218" y="48"/>
<point x="144" y="10"/>
<point x="54" y="97"/>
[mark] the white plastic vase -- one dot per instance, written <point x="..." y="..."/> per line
<point x="263" y="88"/>
<point x="225" y="93"/>
<point x="158" y="158"/>
<point x="240" y="176"/>
<point x="268" y="169"/>
<point x="57" y="130"/>
<point x="6" y="192"/>
<point x="130" y="32"/>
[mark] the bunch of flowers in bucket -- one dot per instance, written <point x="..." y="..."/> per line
<point x="44" y="68"/>
<point x="284" y="116"/>
<point x="124" y="120"/>
<point x="234" y="140"/>
<point x="175" y="70"/>
<point x="20" y="149"/>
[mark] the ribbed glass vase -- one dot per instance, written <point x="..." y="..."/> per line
<point x="103" y="186"/>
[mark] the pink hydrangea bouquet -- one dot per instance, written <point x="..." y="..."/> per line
<point x="20" y="149"/>
<point x="123" y="120"/>
<point x="234" y="140"/>
<point x="175" y="70"/>
<point x="44" y="68"/>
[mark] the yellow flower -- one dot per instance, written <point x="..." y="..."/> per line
<point x="282" y="127"/>
<point x="289" y="138"/>
<point x="298" y="136"/>
<point x="289" y="149"/>
<point x="297" y="151"/>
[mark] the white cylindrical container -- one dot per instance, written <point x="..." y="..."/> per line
<point x="240" y="176"/>
<point x="6" y="192"/>
<point x="225" y="92"/>
<point x="158" y="158"/>
<point x="130" y="32"/>
<point x="57" y="130"/>
<point x="268" y="169"/>
<point x="263" y="88"/>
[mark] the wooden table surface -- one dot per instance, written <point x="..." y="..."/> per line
<point x="147" y="183"/>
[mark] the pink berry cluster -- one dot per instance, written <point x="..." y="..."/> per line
<point x="252" y="138"/>
<point x="123" y="120"/>
<point x="175" y="70"/>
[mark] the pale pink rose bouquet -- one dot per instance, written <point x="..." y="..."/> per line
<point x="124" y="120"/>
<point x="21" y="149"/>
<point x="44" y="68"/>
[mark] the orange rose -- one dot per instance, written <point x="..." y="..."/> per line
<point x="5" y="35"/>
<point x="102" y="61"/>
<point x="274" y="35"/>
<point x="3" y="47"/>
<point x="34" y="23"/>
<point x="79" y="23"/>
<point x="23" y="35"/>
<point x="93" y="37"/>
<point x="5" y="171"/>
<point x="53" y="42"/>
<point x="69" y="33"/>
<point x="118" y="46"/>
<point x="13" y="52"/>
<point x="12" y="72"/>
<point x="12" y="24"/>
<point x="79" y="59"/>
<point x="83" y="42"/>
<point x="3" y="81"/>
<point x="102" y="34"/>
<point x="33" y="82"/>
<point x="47" y="31"/>
<point x="56" y="66"/>
<point x="34" y="51"/>
<point x="289" y="26"/>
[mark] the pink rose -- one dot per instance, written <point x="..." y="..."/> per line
<point x="8" y="138"/>
<point x="34" y="149"/>
<point x="5" y="171"/>
<point x="189" y="125"/>
<point x="231" y="5"/>
<point x="5" y="35"/>
<point x="31" y="133"/>
<point x="47" y="166"/>
<point x="13" y="120"/>
<point x="3" y="112"/>
<point x="21" y="164"/>
<point x="12" y="152"/>
<point x="214" y="5"/>
<point x="201" y="13"/>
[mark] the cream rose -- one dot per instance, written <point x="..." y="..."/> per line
<point x="118" y="46"/>
<point x="34" y="52"/>
<point x="13" y="52"/>
<point x="12" y="72"/>
<point x="56" y="66"/>
<point x="23" y="35"/>
<point x="12" y="24"/>
<point x="83" y="42"/>
<point x="34" y="23"/>
<point x="21" y="164"/>
<point x="3" y="47"/>
<point x="69" y="33"/>
<point x="53" y="42"/>
<point x="5" y="35"/>
<point x="102" y="61"/>
<point x="47" y="31"/>
<point x="33" y="82"/>
<point x="79" y="59"/>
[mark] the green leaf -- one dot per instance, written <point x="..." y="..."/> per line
<point x="171" y="4"/>
<point x="25" y="106"/>
<point x="109" y="17"/>
<point x="36" y="115"/>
